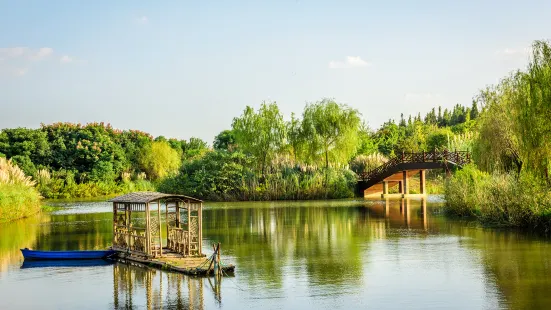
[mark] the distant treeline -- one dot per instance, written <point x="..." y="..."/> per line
<point x="262" y="156"/>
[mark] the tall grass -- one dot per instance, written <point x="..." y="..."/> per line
<point x="18" y="196"/>
<point x="500" y="199"/>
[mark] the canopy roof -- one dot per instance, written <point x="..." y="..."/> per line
<point x="145" y="197"/>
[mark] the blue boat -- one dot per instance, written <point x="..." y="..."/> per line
<point x="63" y="255"/>
<point x="66" y="263"/>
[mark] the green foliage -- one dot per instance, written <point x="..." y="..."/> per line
<point x="18" y="201"/>
<point x="331" y="130"/>
<point x="533" y="112"/>
<point x="18" y="197"/>
<point x="367" y="143"/>
<point x="439" y="139"/>
<point x="500" y="199"/>
<point x="159" y="160"/>
<point x="225" y="141"/>
<point x="260" y="134"/>
<point x="220" y="175"/>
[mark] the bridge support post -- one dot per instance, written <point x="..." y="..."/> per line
<point x="400" y="187"/>
<point x="422" y="184"/>
<point x="385" y="188"/>
<point x="405" y="185"/>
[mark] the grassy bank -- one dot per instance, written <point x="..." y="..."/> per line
<point x="18" y="196"/>
<point x="17" y="201"/>
<point x="499" y="199"/>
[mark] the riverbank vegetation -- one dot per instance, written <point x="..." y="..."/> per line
<point x="18" y="197"/>
<point x="262" y="156"/>
<point x="509" y="183"/>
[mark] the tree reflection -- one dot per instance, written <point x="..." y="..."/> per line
<point x="20" y="234"/>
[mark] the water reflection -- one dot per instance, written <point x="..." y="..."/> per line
<point x="388" y="254"/>
<point x="141" y="287"/>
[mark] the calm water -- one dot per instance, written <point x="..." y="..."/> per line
<point x="309" y="255"/>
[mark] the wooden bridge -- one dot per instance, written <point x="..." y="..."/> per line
<point x="398" y="170"/>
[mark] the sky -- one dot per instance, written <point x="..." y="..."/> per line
<point x="185" y="69"/>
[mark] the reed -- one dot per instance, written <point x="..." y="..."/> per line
<point x="500" y="199"/>
<point x="18" y="196"/>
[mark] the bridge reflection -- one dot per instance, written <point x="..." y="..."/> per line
<point x="402" y="213"/>
<point x="137" y="286"/>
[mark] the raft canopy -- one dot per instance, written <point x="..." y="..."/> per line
<point x="145" y="197"/>
<point x="137" y="224"/>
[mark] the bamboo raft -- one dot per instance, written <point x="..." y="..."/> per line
<point x="172" y="261"/>
<point x="138" y="233"/>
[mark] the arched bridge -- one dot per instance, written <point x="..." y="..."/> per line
<point x="398" y="171"/>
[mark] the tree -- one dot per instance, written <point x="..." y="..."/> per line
<point x="367" y="142"/>
<point x="194" y="147"/>
<point x="533" y="104"/>
<point x="497" y="146"/>
<point x="295" y="137"/>
<point x="225" y="141"/>
<point x="387" y="137"/>
<point x="331" y="130"/>
<point x="159" y="160"/>
<point x="260" y="134"/>
<point x="474" y="111"/>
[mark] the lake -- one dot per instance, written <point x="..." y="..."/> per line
<point x="343" y="254"/>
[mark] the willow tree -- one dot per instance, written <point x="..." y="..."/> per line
<point x="331" y="131"/>
<point x="159" y="160"/>
<point x="497" y="146"/>
<point x="295" y="137"/>
<point x="260" y="134"/>
<point x="534" y="111"/>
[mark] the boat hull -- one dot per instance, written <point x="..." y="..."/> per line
<point x="66" y="263"/>
<point x="65" y="255"/>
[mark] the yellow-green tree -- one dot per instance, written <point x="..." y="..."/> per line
<point x="158" y="160"/>
<point x="331" y="130"/>
<point x="260" y="134"/>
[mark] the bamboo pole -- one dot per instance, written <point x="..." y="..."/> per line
<point x="114" y="222"/>
<point x="160" y="228"/>
<point x="147" y="230"/>
<point x="167" y="224"/>
<point x="189" y="228"/>
<point x="200" y="221"/>
<point x="218" y="259"/>
<point x="212" y="259"/>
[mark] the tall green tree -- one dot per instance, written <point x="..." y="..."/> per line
<point x="534" y="111"/>
<point x="225" y="141"/>
<point x="260" y="134"/>
<point x="295" y="137"/>
<point x="331" y="130"/>
<point x="497" y="146"/>
<point x="159" y="160"/>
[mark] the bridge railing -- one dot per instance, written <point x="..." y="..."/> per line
<point x="457" y="158"/>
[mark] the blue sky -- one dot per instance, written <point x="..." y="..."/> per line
<point x="186" y="68"/>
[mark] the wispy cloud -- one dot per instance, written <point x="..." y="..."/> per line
<point x="17" y="61"/>
<point x="25" y="52"/>
<point x="513" y="52"/>
<point x="42" y="53"/>
<point x="65" y="59"/>
<point x="349" y="62"/>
